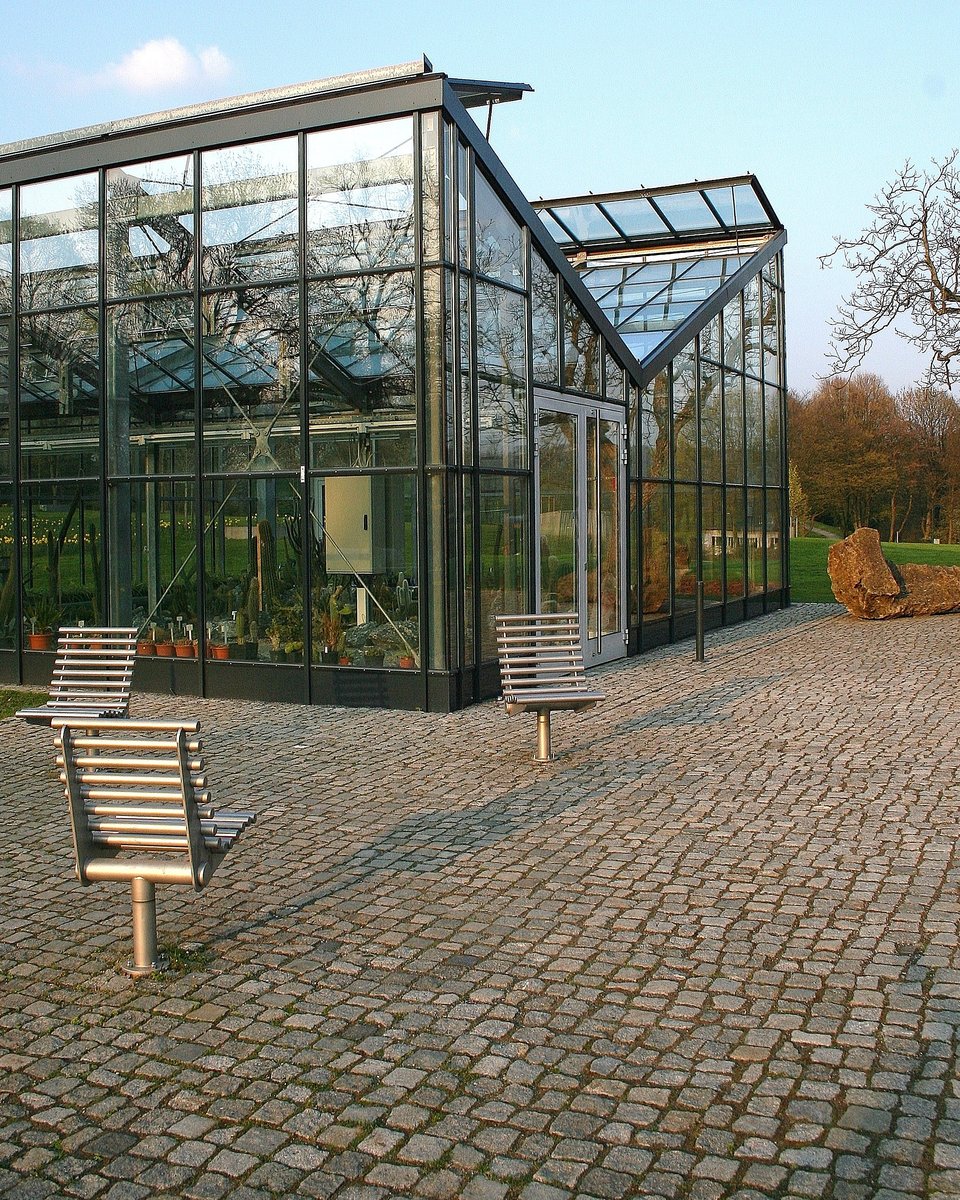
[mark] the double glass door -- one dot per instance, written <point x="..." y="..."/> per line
<point x="580" y="486"/>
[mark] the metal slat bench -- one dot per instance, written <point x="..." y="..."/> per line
<point x="141" y="812"/>
<point x="92" y="674"/>
<point x="541" y="669"/>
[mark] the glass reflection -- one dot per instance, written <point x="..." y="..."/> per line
<point x="250" y="216"/>
<point x="774" y="541"/>
<point x="771" y="335"/>
<point x="756" y="541"/>
<point x="361" y="364"/>
<point x="733" y="425"/>
<point x="156" y="564"/>
<point x="6" y="395"/>
<point x="8" y="571"/>
<point x="612" y="378"/>
<point x="151" y="419"/>
<point x="753" y="407"/>
<point x="711" y="423"/>
<point x="752" y="327"/>
<point x="60" y="394"/>
<point x="430" y="219"/>
<point x="655" y="527"/>
<point x="559" y="506"/>
<point x="150" y="244"/>
<point x="685" y="414"/>
<point x="655" y="427"/>
<point x="439" y="414"/>
<point x="712" y="544"/>
<point x="501" y="377"/>
<point x="360" y="197"/>
<point x="733" y="335"/>
<point x="363" y="543"/>
<point x="62" y="556"/>
<point x="499" y="239"/>
<point x="735" y="540"/>
<point x="251" y="370"/>
<point x="59" y="242"/>
<point x="6" y="251"/>
<point x="253" y="569"/>
<point x="503" y="553"/>
<point x="772" y="427"/>
<point x="685" y="547"/>
<point x="545" y="347"/>
<point x="581" y="350"/>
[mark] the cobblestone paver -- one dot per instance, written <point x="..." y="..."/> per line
<point x="710" y="951"/>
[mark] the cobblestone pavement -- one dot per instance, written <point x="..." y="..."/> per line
<point x="711" y="950"/>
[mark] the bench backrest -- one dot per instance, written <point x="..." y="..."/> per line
<point x="139" y="788"/>
<point x="540" y="652"/>
<point x="93" y="669"/>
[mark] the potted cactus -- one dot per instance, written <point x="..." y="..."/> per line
<point x="43" y="614"/>
<point x="331" y="631"/>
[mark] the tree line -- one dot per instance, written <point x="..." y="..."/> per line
<point x="862" y="455"/>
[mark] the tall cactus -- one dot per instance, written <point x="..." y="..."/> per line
<point x="253" y="602"/>
<point x="267" y="565"/>
<point x="97" y="599"/>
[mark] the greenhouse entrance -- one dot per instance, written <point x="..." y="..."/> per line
<point x="580" y="484"/>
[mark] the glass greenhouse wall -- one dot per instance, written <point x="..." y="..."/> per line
<point x="300" y="386"/>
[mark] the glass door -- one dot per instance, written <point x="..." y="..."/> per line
<point x="580" y="548"/>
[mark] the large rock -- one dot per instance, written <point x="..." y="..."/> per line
<point x="873" y="588"/>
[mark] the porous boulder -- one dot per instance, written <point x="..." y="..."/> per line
<point x="874" y="588"/>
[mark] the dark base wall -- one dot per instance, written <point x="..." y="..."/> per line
<point x="430" y="691"/>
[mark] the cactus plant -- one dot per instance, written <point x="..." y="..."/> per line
<point x="267" y="565"/>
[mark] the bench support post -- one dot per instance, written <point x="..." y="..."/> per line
<point x="543" y="735"/>
<point x="145" y="960"/>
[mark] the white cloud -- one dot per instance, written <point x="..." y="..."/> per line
<point x="163" y="64"/>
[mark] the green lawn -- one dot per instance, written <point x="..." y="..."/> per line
<point x="13" y="699"/>
<point x="809" y="581"/>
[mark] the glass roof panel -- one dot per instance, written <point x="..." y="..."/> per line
<point x="557" y="232"/>
<point x="686" y="211"/>
<point x="586" y="222"/>
<point x="737" y="205"/>
<point x="635" y="217"/>
<point x="646" y="302"/>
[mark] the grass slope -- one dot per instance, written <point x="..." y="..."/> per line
<point x="809" y="582"/>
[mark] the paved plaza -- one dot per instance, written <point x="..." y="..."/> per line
<point x="711" y="950"/>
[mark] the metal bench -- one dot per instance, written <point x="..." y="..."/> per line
<point x="541" y="669"/>
<point x="141" y="812"/>
<point x="92" y="675"/>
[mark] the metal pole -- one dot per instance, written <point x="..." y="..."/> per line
<point x="699" y="620"/>
<point x="543" y="736"/>
<point x="145" y="961"/>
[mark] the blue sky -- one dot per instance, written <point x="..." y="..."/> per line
<point x="823" y="101"/>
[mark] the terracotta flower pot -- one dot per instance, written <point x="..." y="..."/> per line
<point x="407" y="661"/>
<point x="219" y="651"/>
<point x="164" y="649"/>
<point x="146" y="648"/>
<point x="39" y="641"/>
<point x="185" y="649"/>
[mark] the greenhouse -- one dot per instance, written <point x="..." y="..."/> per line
<point x="303" y="387"/>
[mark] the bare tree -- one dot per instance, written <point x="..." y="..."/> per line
<point x="907" y="263"/>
